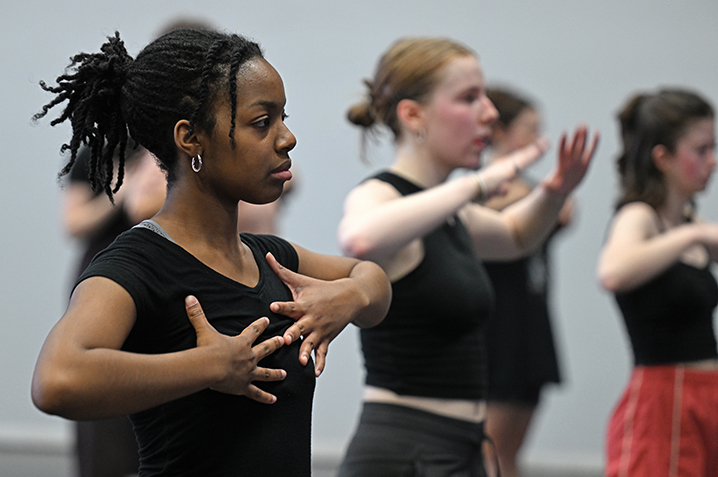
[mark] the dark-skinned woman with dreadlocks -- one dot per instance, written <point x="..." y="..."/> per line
<point x="225" y="387"/>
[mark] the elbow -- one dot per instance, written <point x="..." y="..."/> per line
<point x="611" y="282"/>
<point x="355" y="245"/>
<point x="51" y="393"/>
<point x="378" y="302"/>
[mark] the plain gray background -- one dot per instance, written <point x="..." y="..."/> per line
<point x="580" y="59"/>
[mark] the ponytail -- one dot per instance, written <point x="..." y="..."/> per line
<point x="93" y="91"/>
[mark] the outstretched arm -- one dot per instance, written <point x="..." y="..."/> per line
<point x="524" y="225"/>
<point x="81" y="372"/>
<point x="378" y="222"/>
<point x="328" y="294"/>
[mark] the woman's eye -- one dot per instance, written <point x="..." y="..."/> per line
<point x="262" y="123"/>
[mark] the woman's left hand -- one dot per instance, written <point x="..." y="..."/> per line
<point x="574" y="157"/>
<point x="321" y="309"/>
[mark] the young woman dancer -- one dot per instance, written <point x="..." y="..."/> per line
<point x="224" y="388"/>
<point x="519" y="339"/>
<point x="425" y="395"/>
<point x="657" y="263"/>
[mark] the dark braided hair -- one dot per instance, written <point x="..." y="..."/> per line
<point x="112" y="97"/>
<point x="647" y="120"/>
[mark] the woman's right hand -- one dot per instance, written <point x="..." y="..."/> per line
<point x="238" y="354"/>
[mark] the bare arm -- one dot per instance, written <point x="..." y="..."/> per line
<point x="329" y="293"/>
<point x="525" y="224"/>
<point x="517" y="229"/>
<point x="146" y="188"/>
<point x="84" y="213"/>
<point x="636" y="252"/>
<point x="81" y="372"/>
<point x="378" y="222"/>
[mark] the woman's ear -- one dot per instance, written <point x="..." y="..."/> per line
<point x="411" y="115"/>
<point x="187" y="143"/>
<point x="660" y="156"/>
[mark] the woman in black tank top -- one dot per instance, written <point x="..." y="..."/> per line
<point x="656" y="261"/>
<point x="425" y="394"/>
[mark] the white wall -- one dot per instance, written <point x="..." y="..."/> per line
<point x="580" y="58"/>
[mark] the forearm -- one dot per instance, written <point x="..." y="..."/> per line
<point x="84" y="213"/>
<point x="533" y="218"/>
<point x="102" y="383"/>
<point x="623" y="267"/>
<point x="373" y="284"/>
<point x="390" y="226"/>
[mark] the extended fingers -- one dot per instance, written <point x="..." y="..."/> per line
<point x="293" y="333"/>
<point x="257" y="327"/>
<point x="282" y="272"/>
<point x="579" y="141"/>
<point x="267" y="347"/>
<point x="256" y="394"/>
<point x="289" y="309"/>
<point x="320" y="356"/>
<point x="305" y="351"/>
<point x="594" y="144"/>
<point x="268" y="374"/>
<point x="195" y="313"/>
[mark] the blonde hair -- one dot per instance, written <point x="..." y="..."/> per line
<point x="410" y="69"/>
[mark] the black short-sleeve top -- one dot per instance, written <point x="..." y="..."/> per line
<point x="210" y="433"/>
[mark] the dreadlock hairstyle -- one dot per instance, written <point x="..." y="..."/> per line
<point x="111" y="97"/>
<point x="646" y="121"/>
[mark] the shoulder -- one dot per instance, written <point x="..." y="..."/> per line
<point x="638" y="218"/>
<point x="639" y="212"/>
<point x="369" y="193"/>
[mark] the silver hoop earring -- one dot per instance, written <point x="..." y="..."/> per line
<point x="197" y="163"/>
<point x="421" y="136"/>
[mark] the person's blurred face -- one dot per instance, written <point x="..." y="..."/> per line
<point x="459" y="115"/>
<point x="523" y="130"/>
<point x="691" y="166"/>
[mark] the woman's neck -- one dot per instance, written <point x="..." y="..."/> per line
<point x="674" y="210"/>
<point x="199" y="221"/>
<point x="419" y="167"/>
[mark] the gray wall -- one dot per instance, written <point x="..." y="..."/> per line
<point x="581" y="59"/>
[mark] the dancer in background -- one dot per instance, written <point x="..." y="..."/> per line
<point x="425" y="394"/>
<point x="108" y="448"/>
<point x="521" y="351"/>
<point x="657" y="261"/>
<point x="228" y="392"/>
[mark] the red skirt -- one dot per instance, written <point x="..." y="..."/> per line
<point x="665" y="425"/>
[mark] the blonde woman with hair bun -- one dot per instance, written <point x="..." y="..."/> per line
<point x="425" y="391"/>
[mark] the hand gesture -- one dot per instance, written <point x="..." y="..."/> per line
<point x="494" y="177"/>
<point x="320" y="308"/>
<point x="236" y="355"/>
<point x="573" y="161"/>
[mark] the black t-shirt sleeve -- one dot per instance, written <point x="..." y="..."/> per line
<point x="129" y="262"/>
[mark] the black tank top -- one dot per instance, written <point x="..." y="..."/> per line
<point x="431" y="342"/>
<point x="670" y="318"/>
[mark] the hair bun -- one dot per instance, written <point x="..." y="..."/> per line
<point x="362" y="114"/>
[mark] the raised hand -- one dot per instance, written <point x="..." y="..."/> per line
<point x="237" y="356"/>
<point x="321" y="309"/>
<point x="495" y="176"/>
<point x="574" y="157"/>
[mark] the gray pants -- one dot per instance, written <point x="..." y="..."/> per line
<point x="397" y="441"/>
